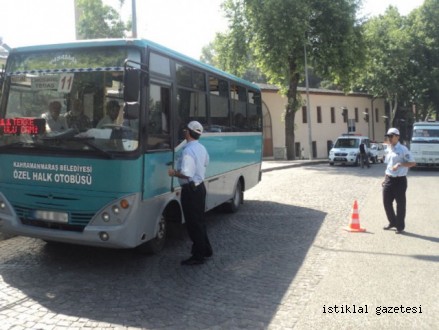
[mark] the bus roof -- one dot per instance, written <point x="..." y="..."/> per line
<point x="427" y="123"/>
<point x="138" y="43"/>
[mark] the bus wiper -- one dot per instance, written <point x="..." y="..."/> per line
<point x="16" y="144"/>
<point x="88" y="142"/>
<point x="63" y="135"/>
<point x="70" y="136"/>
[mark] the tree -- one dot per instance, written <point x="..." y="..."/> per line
<point x="388" y="58"/>
<point x="423" y="85"/>
<point x="217" y="54"/>
<point x="273" y="33"/>
<point x="97" y="20"/>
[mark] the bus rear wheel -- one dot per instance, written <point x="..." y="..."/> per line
<point x="157" y="244"/>
<point x="238" y="197"/>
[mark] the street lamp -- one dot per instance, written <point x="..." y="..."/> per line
<point x="366" y="119"/>
<point x="345" y="117"/>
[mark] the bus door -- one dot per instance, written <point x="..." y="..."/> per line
<point x="159" y="153"/>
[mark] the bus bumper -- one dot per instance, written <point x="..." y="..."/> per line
<point x="109" y="236"/>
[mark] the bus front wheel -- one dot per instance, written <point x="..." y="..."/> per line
<point x="157" y="243"/>
<point x="238" y="197"/>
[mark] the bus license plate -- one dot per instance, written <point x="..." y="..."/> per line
<point x="51" y="216"/>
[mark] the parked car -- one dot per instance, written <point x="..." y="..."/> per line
<point x="346" y="149"/>
<point x="377" y="152"/>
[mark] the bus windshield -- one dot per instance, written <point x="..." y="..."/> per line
<point x="68" y="100"/>
<point x="427" y="134"/>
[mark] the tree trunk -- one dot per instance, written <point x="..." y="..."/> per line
<point x="289" y="133"/>
<point x="291" y="109"/>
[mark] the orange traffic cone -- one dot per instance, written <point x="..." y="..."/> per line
<point x="354" y="224"/>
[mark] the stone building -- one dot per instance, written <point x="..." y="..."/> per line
<point x="365" y="116"/>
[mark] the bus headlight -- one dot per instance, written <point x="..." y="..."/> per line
<point x="105" y="217"/>
<point x="115" y="209"/>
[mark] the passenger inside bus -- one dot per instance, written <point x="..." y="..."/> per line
<point x="54" y="122"/>
<point x="113" y="109"/>
<point x="76" y="118"/>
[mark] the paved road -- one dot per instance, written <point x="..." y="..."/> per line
<point x="278" y="262"/>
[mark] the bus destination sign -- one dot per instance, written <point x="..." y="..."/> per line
<point x="17" y="126"/>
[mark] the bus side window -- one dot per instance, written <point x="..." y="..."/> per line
<point x="191" y="106"/>
<point x="238" y="100"/>
<point x="158" y="136"/>
<point x="219" y="104"/>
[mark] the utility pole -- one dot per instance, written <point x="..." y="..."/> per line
<point x="308" y="105"/>
<point x="134" y="19"/>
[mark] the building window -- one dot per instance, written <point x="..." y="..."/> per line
<point x="319" y="114"/>
<point x="376" y="115"/>
<point x="332" y="115"/>
<point x="356" y="115"/>
<point x="304" y="117"/>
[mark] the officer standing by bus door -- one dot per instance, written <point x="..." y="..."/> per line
<point x="191" y="169"/>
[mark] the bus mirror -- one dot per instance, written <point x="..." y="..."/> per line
<point x="131" y="110"/>
<point x="131" y="83"/>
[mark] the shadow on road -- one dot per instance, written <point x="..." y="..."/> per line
<point x="257" y="253"/>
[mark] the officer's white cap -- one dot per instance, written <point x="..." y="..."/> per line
<point x="392" y="131"/>
<point x="196" y="127"/>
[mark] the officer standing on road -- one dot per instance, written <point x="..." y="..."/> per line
<point x="399" y="160"/>
<point x="191" y="169"/>
<point x="364" y="155"/>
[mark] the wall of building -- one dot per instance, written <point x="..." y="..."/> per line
<point x="325" y="131"/>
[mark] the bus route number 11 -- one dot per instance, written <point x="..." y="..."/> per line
<point x="65" y="83"/>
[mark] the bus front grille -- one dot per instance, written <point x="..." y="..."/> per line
<point x="430" y="153"/>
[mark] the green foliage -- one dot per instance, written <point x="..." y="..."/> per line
<point x="272" y="34"/>
<point x="100" y="21"/>
<point x="388" y="55"/>
<point x="403" y="59"/>
<point x="423" y="85"/>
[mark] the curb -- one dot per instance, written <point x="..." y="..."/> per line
<point x="282" y="167"/>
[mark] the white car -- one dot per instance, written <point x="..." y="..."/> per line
<point x="377" y="152"/>
<point x="346" y="149"/>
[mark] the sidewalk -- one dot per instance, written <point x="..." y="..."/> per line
<point x="273" y="164"/>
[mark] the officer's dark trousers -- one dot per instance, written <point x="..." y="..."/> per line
<point x="193" y="201"/>
<point x="394" y="189"/>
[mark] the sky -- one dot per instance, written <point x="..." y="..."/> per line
<point x="183" y="25"/>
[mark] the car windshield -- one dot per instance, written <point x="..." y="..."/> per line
<point x="347" y="143"/>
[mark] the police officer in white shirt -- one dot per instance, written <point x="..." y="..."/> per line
<point x="399" y="160"/>
<point x="191" y="169"/>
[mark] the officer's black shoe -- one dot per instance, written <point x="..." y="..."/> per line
<point x="192" y="261"/>
<point x="388" y="227"/>
<point x="209" y="254"/>
<point x="399" y="231"/>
